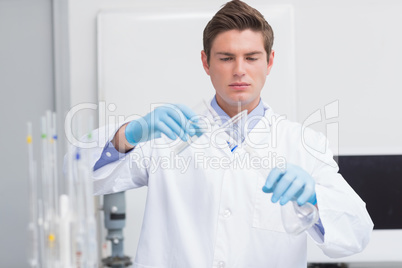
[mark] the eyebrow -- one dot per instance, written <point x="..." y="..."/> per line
<point x="231" y="54"/>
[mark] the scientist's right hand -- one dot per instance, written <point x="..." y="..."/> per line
<point x="171" y="120"/>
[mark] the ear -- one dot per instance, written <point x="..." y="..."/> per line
<point x="271" y="61"/>
<point x="205" y="62"/>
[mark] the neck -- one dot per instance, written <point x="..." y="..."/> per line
<point x="233" y="110"/>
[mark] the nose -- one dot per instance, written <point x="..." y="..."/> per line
<point x="239" y="68"/>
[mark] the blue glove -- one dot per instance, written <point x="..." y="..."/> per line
<point x="172" y="120"/>
<point x="294" y="183"/>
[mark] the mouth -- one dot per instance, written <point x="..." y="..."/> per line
<point x="239" y="85"/>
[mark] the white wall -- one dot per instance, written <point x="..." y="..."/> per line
<point x="346" y="52"/>
<point x="27" y="91"/>
<point x="350" y="51"/>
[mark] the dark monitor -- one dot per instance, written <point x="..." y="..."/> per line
<point x="378" y="181"/>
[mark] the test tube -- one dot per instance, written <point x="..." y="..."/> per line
<point x="33" y="190"/>
<point x="227" y="128"/>
<point x="65" y="232"/>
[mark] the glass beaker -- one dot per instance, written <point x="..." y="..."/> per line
<point x="297" y="219"/>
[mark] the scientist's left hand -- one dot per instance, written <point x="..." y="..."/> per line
<point x="294" y="183"/>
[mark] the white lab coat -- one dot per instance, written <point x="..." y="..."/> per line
<point x="214" y="214"/>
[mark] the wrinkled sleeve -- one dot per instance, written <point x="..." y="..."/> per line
<point x="343" y="214"/>
<point x="122" y="173"/>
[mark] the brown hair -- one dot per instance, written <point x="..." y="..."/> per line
<point x="237" y="15"/>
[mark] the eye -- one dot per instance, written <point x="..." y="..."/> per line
<point x="251" y="59"/>
<point x="226" y="59"/>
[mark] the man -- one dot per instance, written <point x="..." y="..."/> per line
<point x="224" y="215"/>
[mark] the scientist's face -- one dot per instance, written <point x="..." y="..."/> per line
<point x="238" y="68"/>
